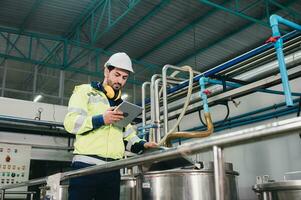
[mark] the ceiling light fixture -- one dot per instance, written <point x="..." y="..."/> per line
<point x="37" y="98"/>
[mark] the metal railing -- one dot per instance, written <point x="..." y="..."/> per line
<point x="216" y="143"/>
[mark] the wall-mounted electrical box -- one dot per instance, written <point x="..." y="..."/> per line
<point x="14" y="166"/>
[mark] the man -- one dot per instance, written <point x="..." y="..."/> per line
<point x="91" y="116"/>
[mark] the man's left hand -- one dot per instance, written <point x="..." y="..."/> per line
<point x="149" y="145"/>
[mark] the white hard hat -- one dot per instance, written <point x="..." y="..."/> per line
<point x="120" y="60"/>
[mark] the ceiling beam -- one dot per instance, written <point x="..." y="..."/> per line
<point x="144" y="19"/>
<point x="24" y="54"/>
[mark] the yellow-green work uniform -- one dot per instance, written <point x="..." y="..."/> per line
<point x="94" y="139"/>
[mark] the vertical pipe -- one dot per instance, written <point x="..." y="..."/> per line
<point x="143" y="105"/>
<point x="157" y="110"/>
<point x="202" y="82"/>
<point x="31" y="196"/>
<point x="274" y="22"/>
<point x="4" y="78"/>
<point x="153" y="105"/>
<point x="165" y="108"/>
<point x="2" y="194"/>
<point x="35" y="78"/>
<point x="61" y="86"/>
<point x="219" y="173"/>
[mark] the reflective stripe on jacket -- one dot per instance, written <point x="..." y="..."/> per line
<point x="106" y="141"/>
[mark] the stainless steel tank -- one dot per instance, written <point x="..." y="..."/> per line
<point x="284" y="190"/>
<point x="128" y="188"/>
<point x="186" y="184"/>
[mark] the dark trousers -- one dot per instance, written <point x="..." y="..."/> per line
<point x="102" y="186"/>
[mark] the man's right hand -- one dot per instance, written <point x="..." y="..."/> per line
<point x="111" y="116"/>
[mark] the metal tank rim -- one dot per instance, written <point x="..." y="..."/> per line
<point x="282" y="185"/>
<point x="180" y="172"/>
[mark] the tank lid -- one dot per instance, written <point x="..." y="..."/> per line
<point x="281" y="185"/>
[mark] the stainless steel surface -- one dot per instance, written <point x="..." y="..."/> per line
<point x="157" y="106"/>
<point x="2" y="194"/>
<point x="157" y="110"/>
<point x="153" y="106"/>
<point x="143" y="104"/>
<point x="185" y="184"/>
<point x="128" y="188"/>
<point x="284" y="190"/>
<point x="219" y="173"/>
<point x="164" y="79"/>
<point x="288" y="126"/>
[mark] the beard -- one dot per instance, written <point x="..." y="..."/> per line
<point x="115" y="86"/>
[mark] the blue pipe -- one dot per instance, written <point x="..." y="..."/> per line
<point x="232" y="62"/>
<point x="274" y="22"/>
<point x="202" y="83"/>
<point x="237" y="85"/>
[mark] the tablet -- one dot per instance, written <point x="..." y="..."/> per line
<point x="130" y="112"/>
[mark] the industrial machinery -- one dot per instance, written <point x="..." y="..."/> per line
<point x="128" y="188"/>
<point x="186" y="183"/>
<point x="254" y="71"/>
<point x="267" y="189"/>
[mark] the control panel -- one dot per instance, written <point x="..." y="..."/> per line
<point x="14" y="166"/>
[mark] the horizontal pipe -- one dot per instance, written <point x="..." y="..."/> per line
<point x="288" y="126"/>
<point x="231" y="62"/>
<point x="31" y="121"/>
<point x="234" y="61"/>
<point x="236" y="85"/>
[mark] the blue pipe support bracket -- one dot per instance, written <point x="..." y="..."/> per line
<point x="274" y="22"/>
<point x="202" y="82"/>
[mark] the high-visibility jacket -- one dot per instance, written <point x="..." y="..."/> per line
<point x="106" y="141"/>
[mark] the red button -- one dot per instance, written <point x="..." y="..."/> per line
<point x="7" y="159"/>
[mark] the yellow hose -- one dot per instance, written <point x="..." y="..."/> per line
<point x="186" y="134"/>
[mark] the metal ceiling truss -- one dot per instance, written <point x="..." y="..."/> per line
<point x="61" y="59"/>
<point x="90" y="20"/>
<point x="24" y="23"/>
<point x="98" y="20"/>
<point x="144" y="19"/>
<point x="235" y="10"/>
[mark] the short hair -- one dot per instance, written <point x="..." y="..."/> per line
<point x="110" y="68"/>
